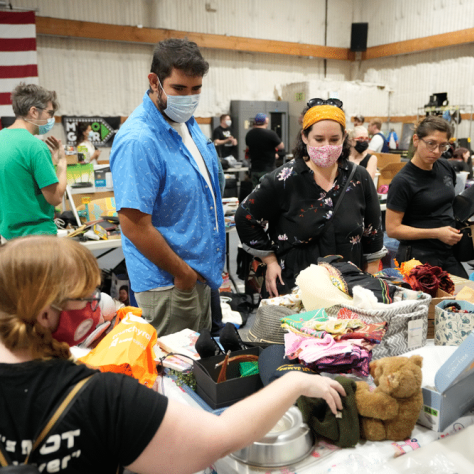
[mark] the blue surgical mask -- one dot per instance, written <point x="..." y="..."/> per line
<point x="42" y="129"/>
<point x="180" y="108"/>
<point x="91" y="135"/>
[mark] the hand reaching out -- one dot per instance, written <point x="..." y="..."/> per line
<point x="56" y="148"/>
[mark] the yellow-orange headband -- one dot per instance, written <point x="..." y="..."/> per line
<point x="323" y="112"/>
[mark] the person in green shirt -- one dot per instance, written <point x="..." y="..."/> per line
<point x="30" y="187"/>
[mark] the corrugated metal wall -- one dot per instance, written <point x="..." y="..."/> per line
<point x="97" y="77"/>
<point x="413" y="78"/>
<point x="391" y="21"/>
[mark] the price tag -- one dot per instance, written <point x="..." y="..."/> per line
<point x="415" y="333"/>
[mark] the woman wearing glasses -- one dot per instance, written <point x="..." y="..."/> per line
<point x="298" y="202"/>
<point x="420" y="201"/>
<point x="114" y="420"/>
<point x="359" y="141"/>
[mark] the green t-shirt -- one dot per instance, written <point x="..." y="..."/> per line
<point x="25" y="168"/>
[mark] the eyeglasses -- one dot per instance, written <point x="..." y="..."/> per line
<point x="315" y="102"/>
<point x="432" y="146"/>
<point x="362" y="139"/>
<point x="50" y="112"/>
<point x="94" y="300"/>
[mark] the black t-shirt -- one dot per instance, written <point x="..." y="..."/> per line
<point x="262" y="144"/>
<point x="221" y="133"/>
<point x="426" y="198"/>
<point x="110" y="423"/>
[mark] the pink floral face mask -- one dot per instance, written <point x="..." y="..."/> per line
<point x="324" y="156"/>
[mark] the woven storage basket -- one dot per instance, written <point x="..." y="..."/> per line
<point x="395" y="341"/>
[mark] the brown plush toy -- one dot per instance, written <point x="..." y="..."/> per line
<point x="391" y="409"/>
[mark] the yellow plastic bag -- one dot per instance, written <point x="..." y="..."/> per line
<point x="128" y="348"/>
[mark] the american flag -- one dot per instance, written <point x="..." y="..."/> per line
<point x="18" y="58"/>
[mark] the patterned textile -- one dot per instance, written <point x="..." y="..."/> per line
<point x="452" y="328"/>
<point x="357" y="361"/>
<point x="303" y="323"/>
<point x="370" y="332"/>
<point x="398" y="316"/>
<point x="297" y="209"/>
<point x="311" y="349"/>
<point x="345" y="275"/>
<point x="346" y="313"/>
<point x="292" y="301"/>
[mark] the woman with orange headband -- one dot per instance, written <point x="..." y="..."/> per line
<point x="298" y="199"/>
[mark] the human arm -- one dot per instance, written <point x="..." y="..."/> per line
<point x="262" y="205"/>
<point x="397" y="230"/>
<point x="272" y="274"/>
<point x="54" y="192"/>
<point x="281" y="146"/>
<point x="137" y="226"/>
<point x="372" y="166"/>
<point x="190" y="439"/>
<point x="372" y="267"/>
<point x="218" y="142"/>
<point x="95" y="155"/>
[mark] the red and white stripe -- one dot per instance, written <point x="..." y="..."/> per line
<point x="18" y="57"/>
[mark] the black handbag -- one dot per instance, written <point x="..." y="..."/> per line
<point x="464" y="249"/>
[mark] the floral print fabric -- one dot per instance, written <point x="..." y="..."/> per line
<point x="296" y="210"/>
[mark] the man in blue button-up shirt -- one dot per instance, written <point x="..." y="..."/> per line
<point x="167" y="194"/>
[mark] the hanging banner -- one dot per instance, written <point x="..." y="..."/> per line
<point x="104" y="129"/>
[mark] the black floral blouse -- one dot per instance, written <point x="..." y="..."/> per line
<point x="296" y="209"/>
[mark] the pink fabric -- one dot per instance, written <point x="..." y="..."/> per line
<point x="310" y="349"/>
<point x="324" y="156"/>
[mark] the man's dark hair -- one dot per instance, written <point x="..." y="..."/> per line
<point x="180" y="54"/>
<point x="25" y="96"/>
<point x="223" y="116"/>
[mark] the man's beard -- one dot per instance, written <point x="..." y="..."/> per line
<point x="159" y="101"/>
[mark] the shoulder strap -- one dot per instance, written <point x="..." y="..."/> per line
<point x="341" y="196"/>
<point x="56" y="417"/>
<point x="4" y="458"/>
<point x="60" y="412"/>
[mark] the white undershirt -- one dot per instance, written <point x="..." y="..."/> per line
<point x="188" y="141"/>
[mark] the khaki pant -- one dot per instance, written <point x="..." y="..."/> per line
<point x="172" y="310"/>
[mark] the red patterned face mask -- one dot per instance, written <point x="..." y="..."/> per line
<point x="74" y="326"/>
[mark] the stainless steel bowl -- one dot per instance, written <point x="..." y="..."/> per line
<point x="288" y="442"/>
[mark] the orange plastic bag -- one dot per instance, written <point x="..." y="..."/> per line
<point x="128" y="348"/>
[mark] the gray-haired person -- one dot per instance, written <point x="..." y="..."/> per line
<point x="30" y="187"/>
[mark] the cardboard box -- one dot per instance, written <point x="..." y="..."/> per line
<point x="383" y="159"/>
<point x="71" y="159"/>
<point x="453" y="393"/>
<point x="440" y="296"/>
<point x="226" y="393"/>
<point x="388" y="172"/>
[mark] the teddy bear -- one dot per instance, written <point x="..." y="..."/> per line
<point x="391" y="410"/>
